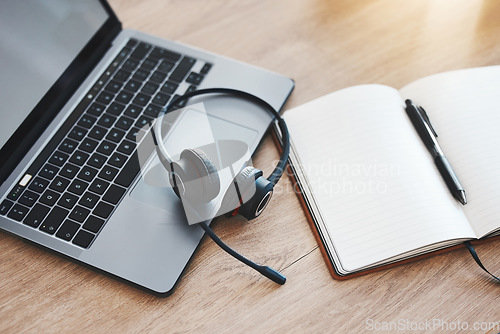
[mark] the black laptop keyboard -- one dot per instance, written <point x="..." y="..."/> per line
<point x="74" y="185"/>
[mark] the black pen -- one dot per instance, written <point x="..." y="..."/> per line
<point x="422" y="124"/>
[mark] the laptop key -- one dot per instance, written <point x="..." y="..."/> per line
<point x="68" y="146"/>
<point x="5" y="207"/>
<point x="107" y="120"/>
<point x="190" y="89"/>
<point x="152" y="110"/>
<point x="143" y="121"/>
<point x="126" y="147"/>
<point x="78" y="186"/>
<point x="106" y="147"/>
<point x="87" y="121"/>
<point x="133" y="111"/>
<point x="132" y="86"/>
<point x="28" y="198"/>
<point x="103" y="210"/>
<point x="79" y="158"/>
<point x="142" y="99"/>
<point x="16" y="192"/>
<point x="166" y="66"/>
<point x="79" y="214"/>
<point x="150" y="88"/>
<point x="131" y="43"/>
<point x="115" y="135"/>
<point x="54" y="220"/>
<point x="36" y="215"/>
<point x="59" y="184"/>
<point x="93" y="224"/>
<point x="158" y="76"/>
<point x="113" y="86"/>
<point x="194" y="78"/>
<point x="117" y="160"/>
<point x="105" y="97"/>
<point x="124" y="123"/>
<point x="69" y="171"/>
<point x="141" y="75"/>
<point x="83" y="238"/>
<point x="38" y="185"/>
<point x="48" y="171"/>
<point x="161" y="99"/>
<point x="88" y="145"/>
<point x="89" y="200"/>
<point x="149" y="63"/>
<point x="160" y="53"/>
<point x="58" y="158"/>
<point x="108" y="173"/>
<point x="87" y="173"/>
<point x="206" y="68"/>
<point x="136" y="134"/>
<point x="122" y="75"/>
<point x="49" y="197"/>
<point x="97" y="132"/>
<point x="128" y="173"/>
<point x="130" y="64"/>
<point x="68" y="201"/>
<point x="96" y="109"/>
<point x="114" y="194"/>
<point x="67" y="230"/>
<point x="141" y="50"/>
<point x="182" y="69"/>
<point x="132" y="167"/>
<point x="180" y="103"/>
<point x="77" y="133"/>
<point x="18" y="212"/>
<point x="124" y="97"/>
<point x="97" y="160"/>
<point x="169" y="87"/>
<point x="115" y="108"/>
<point x="99" y="186"/>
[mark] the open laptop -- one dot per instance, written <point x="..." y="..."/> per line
<point x="77" y="94"/>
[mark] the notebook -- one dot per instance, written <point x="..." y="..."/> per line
<point x="78" y="169"/>
<point x="371" y="186"/>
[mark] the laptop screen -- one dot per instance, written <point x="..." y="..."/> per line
<point x="39" y="39"/>
<point x="44" y="47"/>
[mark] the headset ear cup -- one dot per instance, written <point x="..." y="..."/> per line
<point x="194" y="176"/>
<point x="234" y="196"/>
<point x="243" y="192"/>
<point x="257" y="203"/>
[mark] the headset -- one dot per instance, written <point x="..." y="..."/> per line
<point x="195" y="178"/>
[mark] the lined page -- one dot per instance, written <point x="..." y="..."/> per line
<point x="464" y="108"/>
<point x="373" y="180"/>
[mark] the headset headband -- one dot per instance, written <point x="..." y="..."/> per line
<point x="285" y="138"/>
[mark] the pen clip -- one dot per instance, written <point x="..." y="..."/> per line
<point x="424" y="115"/>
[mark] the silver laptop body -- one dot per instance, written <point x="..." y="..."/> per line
<point x="146" y="240"/>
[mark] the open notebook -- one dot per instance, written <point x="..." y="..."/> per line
<point x="371" y="186"/>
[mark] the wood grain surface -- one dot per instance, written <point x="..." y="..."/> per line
<point x="324" y="46"/>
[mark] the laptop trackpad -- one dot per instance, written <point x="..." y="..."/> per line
<point x="153" y="189"/>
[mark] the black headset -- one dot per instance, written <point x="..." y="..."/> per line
<point x="195" y="177"/>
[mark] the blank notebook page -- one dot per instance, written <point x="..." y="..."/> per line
<point x="464" y="109"/>
<point x="376" y="185"/>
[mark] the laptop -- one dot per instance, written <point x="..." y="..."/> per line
<point x="78" y="93"/>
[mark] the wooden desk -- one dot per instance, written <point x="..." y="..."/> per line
<point x="324" y="45"/>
